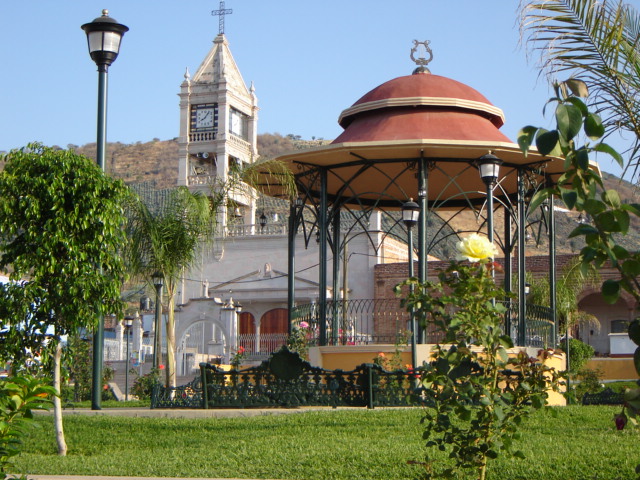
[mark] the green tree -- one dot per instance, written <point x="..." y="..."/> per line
<point x="61" y="220"/>
<point x="598" y="42"/>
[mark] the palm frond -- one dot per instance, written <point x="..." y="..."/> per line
<point x="598" y="42"/>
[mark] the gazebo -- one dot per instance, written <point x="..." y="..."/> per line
<point x="435" y="140"/>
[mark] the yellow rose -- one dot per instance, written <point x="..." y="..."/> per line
<point x="475" y="248"/>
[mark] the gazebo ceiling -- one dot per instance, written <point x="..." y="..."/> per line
<point x="451" y="125"/>
<point x="384" y="173"/>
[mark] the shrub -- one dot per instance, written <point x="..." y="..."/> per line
<point x="479" y="395"/>
<point x="143" y="385"/>
<point x="579" y="353"/>
<point x="590" y="382"/>
<point x="19" y="395"/>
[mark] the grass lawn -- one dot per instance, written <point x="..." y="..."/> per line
<point x="580" y="443"/>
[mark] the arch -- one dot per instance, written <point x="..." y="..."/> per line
<point x="273" y="329"/>
<point x="202" y="341"/>
<point x="274" y="321"/>
<point x="610" y="317"/>
<point x="624" y="296"/>
<point x="246" y="324"/>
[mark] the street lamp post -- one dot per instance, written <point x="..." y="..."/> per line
<point x="128" y="321"/>
<point x="158" y="282"/>
<point x="104" y="35"/>
<point x="489" y="167"/>
<point x="410" y="214"/>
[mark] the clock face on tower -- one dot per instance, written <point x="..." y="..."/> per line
<point x="204" y="117"/>
<point x="238" y="123"/>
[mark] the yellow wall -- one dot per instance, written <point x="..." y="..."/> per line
<point x="348" y="357"/>
<point x="614" y="368"/>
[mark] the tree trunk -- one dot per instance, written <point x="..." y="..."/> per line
<point x="57" y="401"/>
<point x="171" y="340"/>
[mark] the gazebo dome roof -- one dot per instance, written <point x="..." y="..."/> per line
<point x="422" y="106"/>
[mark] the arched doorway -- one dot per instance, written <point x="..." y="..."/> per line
<point x="612" y="319"/>
<point x="273" y="330"/>
<point x="247" y="332"/>
<point x="203" y="341"/>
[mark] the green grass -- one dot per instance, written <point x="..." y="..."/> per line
<point x="580" y="443"/>
<point x="109" y="404"/>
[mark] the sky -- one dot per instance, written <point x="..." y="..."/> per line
<point x="308" y="62"/>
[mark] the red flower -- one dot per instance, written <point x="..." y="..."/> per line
<point x="161" y="367"/>
<point x="240" y="350"/>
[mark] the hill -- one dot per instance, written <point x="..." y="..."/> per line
<point x="156" y="163"/>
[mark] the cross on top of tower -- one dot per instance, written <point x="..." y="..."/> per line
<point x="221" y="12"/>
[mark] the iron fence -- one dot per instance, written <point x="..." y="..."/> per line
<point x="356" y="322"/>
<point x="375" y="321"/>
<point x="260" y="346"/>
<point x="285" y="380"/>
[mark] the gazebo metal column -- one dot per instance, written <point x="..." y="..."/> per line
<point x="336" y="275"/>
<point x="522" y="307"/>
<point x="552" y="268"/>
<point x="291" y="275"/>
<point x="508" y="268"/>
<point x="423" y="186"/>
<point x="322" y="254"/>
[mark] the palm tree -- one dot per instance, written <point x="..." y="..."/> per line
<point x="168" y="233"/>
<point x="571" y="282"/>
<point x="165" y="238"/>
<point x="599" y="43"/>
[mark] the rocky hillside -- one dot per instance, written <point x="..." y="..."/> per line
<point x="156" y="163"/>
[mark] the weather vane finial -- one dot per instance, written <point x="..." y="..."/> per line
<point x="422" y="61"/>
<point x="221" y="12"/>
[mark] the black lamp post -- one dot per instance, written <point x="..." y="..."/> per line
<point x="410" y="215"/>
<point x="128" y="321"/>
<point x="158" y="282"/>
<point x="104" y="35"/>
<point x="489" y="168"/>
<point x="263" y="221"/>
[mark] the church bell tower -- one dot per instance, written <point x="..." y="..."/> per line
<point x="218" y="126"/>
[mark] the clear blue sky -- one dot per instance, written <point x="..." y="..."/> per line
<point x="308" y="61"/>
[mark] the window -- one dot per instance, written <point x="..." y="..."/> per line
<point x="619" y="326"/>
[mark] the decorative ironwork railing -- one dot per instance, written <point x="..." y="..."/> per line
<point x="539" y="328"/>
<point x="356" y="322"/>
<point x="369" y="321"/>
<point x="288" y="381"/>
<point x="605" y="397"/>
<point x="185" y="396"/>
<point x="260" y="346"/>
<point x="285" y="380"/>
<point x="252" y="229"/>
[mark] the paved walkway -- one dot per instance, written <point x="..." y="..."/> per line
<point x="145" y="412"/>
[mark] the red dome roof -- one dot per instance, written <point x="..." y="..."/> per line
<point x="421" y="106"/>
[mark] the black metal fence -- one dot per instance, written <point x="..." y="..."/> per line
<point x="375" y="321"/>
<point x="285" y="380"/>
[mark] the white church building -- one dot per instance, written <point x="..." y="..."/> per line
<point x="239" y="294"/>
